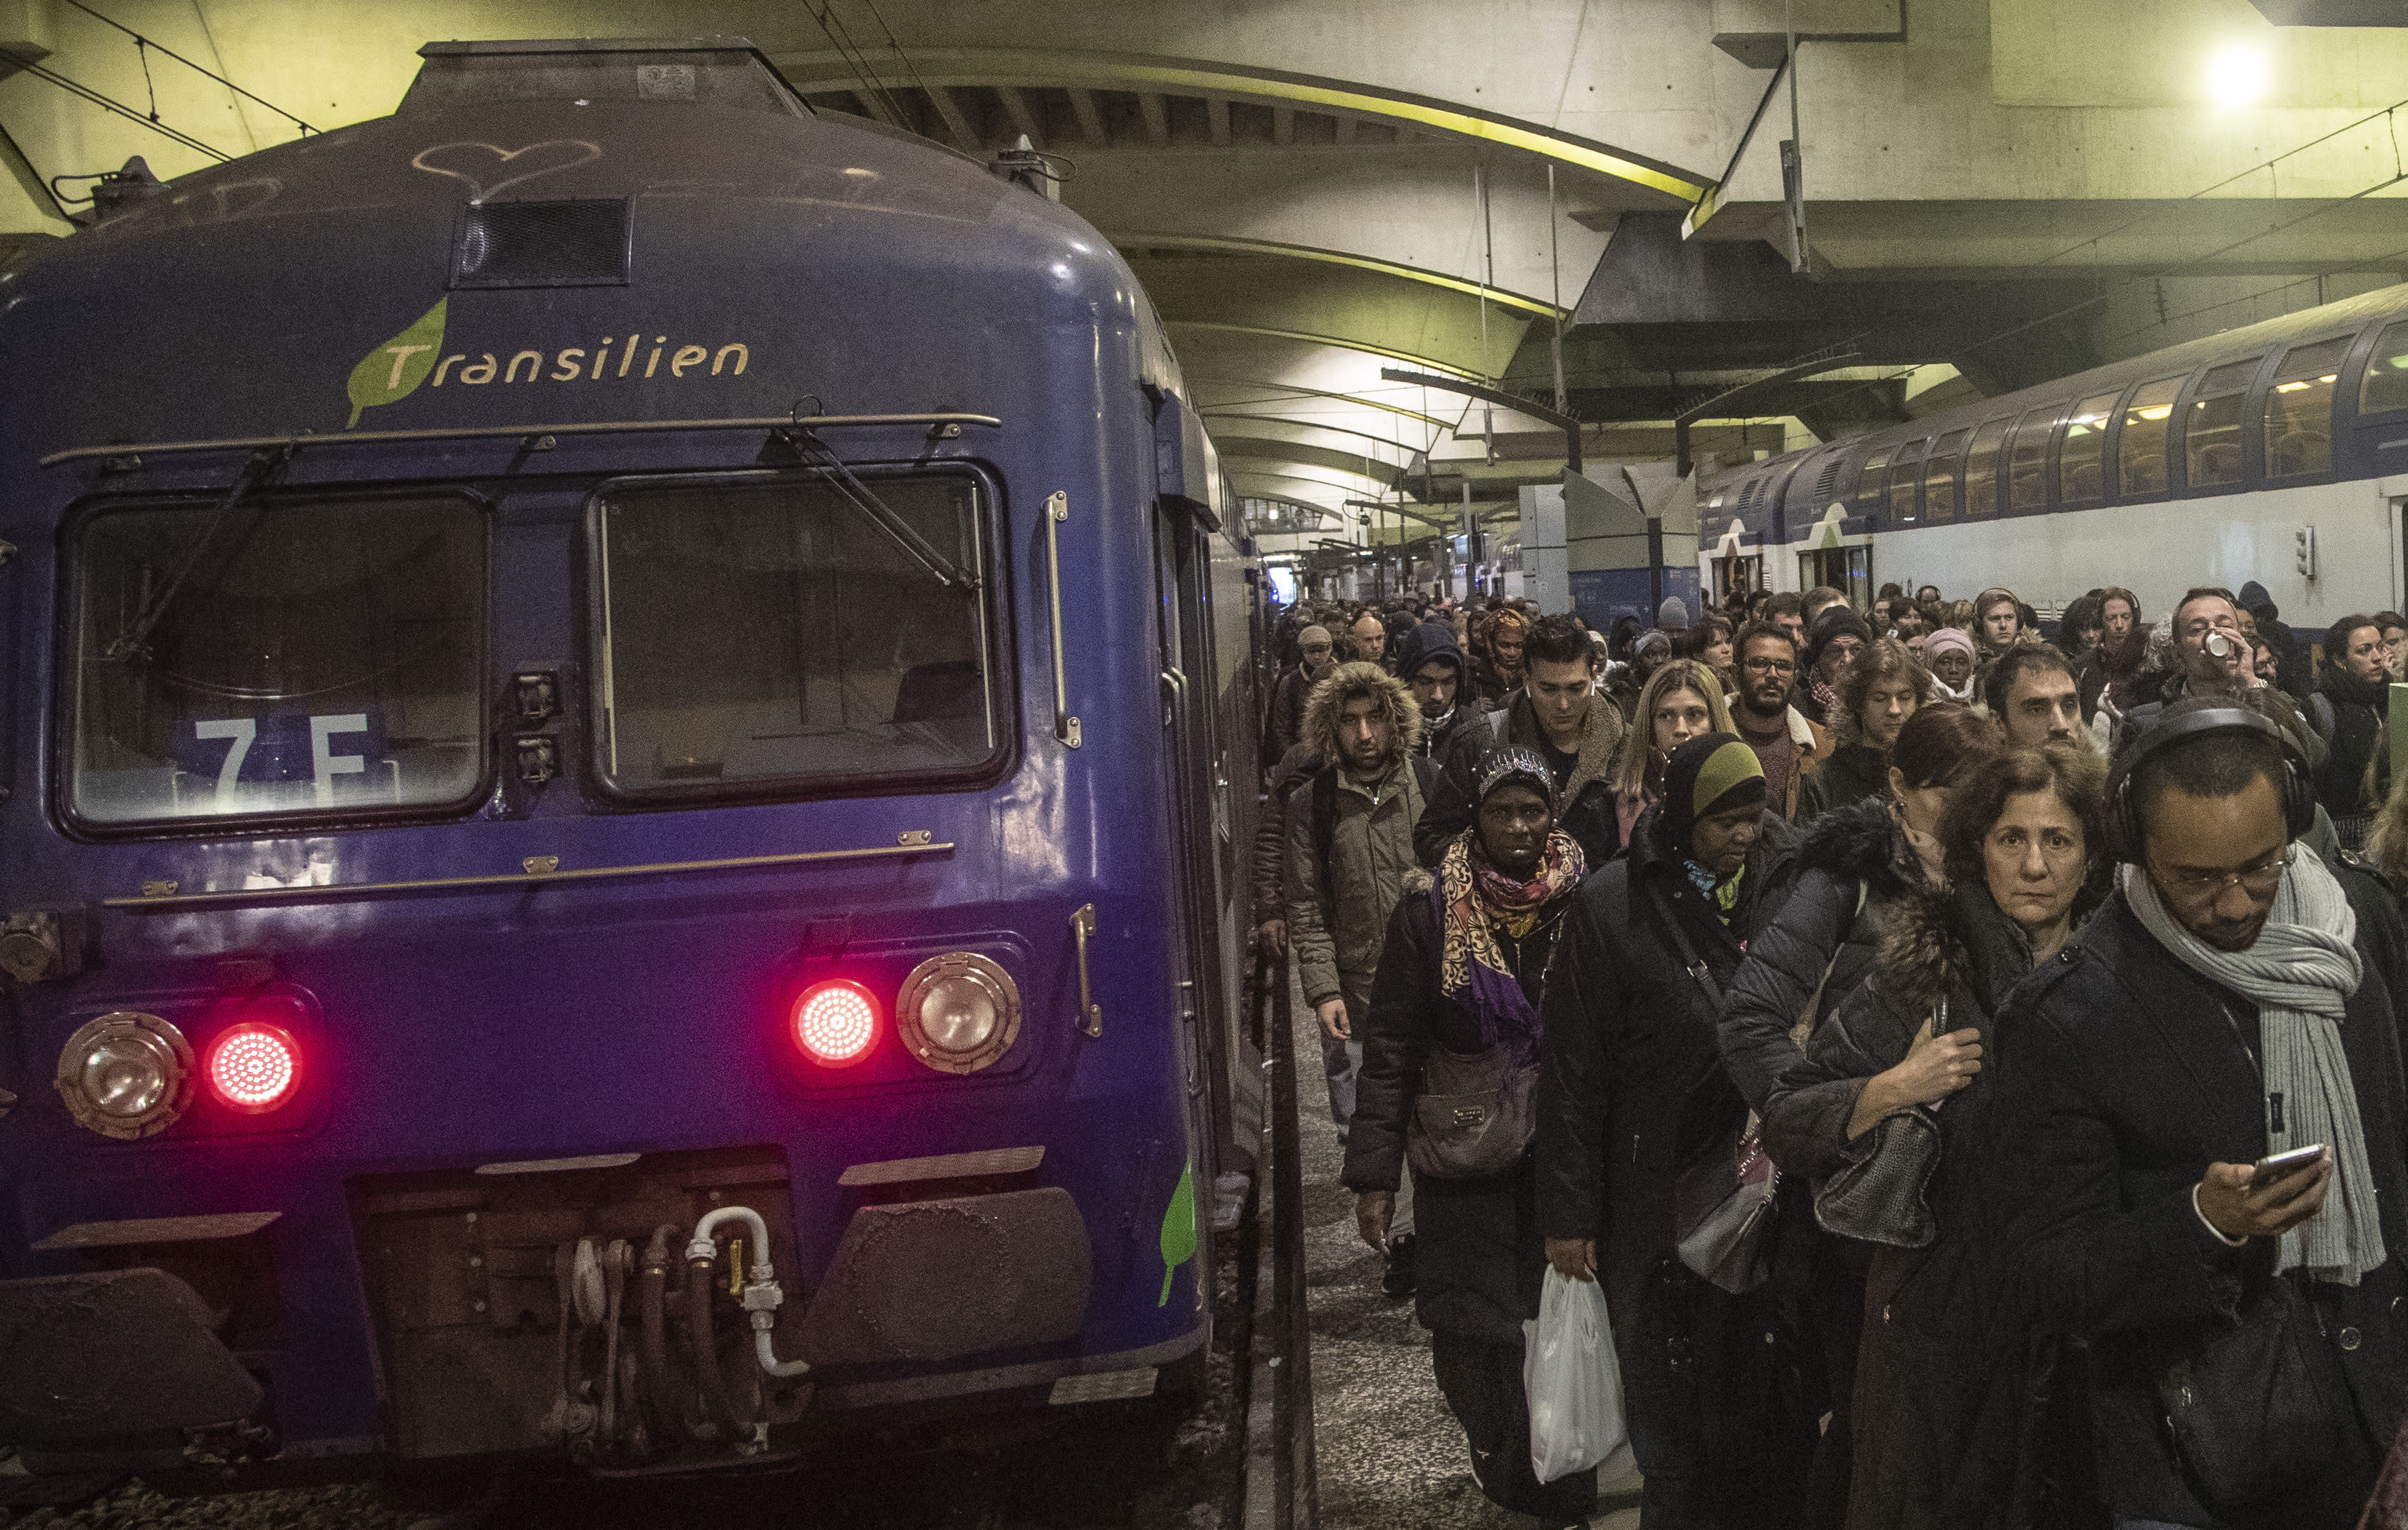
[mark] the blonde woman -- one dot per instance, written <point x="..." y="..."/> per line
<point x="1682" y="701"/>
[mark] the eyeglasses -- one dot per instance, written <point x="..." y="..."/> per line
<point x="1772" y="667"/>
<point x="2258" y="881"/>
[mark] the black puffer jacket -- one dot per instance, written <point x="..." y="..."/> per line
<point x="1632" y="1088"/>
<point x="1856" y="847"/>
<point x="1478" y="1257"/>
<point x="1853" y="773"/>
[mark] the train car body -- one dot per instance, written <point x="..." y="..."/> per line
<point x="600" y="648"/>
<point x="2276" y="453"/>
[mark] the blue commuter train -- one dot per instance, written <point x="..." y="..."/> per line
<point x="2272" y="452"/>
<point x="620" y="704"/>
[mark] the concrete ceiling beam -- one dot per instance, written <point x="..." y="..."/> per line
<point x="956" y="121"/>
<point x="1091" y="120"/>
<point x="1024" y="117"/>
<point x="1156" y="114"/>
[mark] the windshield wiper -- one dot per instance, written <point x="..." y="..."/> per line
<point x="816" y="453"/>
<point x="133" y="641"/>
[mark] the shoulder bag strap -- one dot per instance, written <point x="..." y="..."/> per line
<point x="1688" y="951"/>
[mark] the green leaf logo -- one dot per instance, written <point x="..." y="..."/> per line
<point x="1177" y="1230"/>
<point x="394" y="370"/>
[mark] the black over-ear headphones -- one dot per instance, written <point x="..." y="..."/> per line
<point x="2123" y="815"/>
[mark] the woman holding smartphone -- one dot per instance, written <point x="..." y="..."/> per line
<point x="1946" y="1430"/>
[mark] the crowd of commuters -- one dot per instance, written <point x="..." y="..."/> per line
<point x="1903" y="1012"/>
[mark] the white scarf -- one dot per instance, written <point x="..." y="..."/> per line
<point x="2300" y="974"/>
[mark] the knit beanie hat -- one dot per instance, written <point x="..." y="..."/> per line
<point x="1706" y="776"/>
<point x="1673" y="615"/>
<point x="1836" y="621"/>
<point x="1948" y="641"/>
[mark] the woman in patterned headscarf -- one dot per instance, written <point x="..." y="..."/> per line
<point x="1454" y="1013"/>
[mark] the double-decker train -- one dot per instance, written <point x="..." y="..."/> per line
<point x="616" y="813"/>
<point x="2273" y="453"/>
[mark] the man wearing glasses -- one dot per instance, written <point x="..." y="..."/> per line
<point x="2234" y="1000"/>
<point x="1786" y="742"/>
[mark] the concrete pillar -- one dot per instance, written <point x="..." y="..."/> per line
<point x="1546" y="574"/>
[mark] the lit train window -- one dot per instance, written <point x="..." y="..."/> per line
<point x="1872" y="480"/>
<point x="288" y="656"/>
<point x="2082" y="455"/>
<point x="2298" y="410"/>
<point x="1904" y="473"/>
<point x="1981" y="468"/>
<point x="2211" y="426"/>
<point x="2028" y="464"/>
<point x="2141" y="455"/>
<point x="1940" y="478"/>
<point x="756" y="632"/>
<point x="2386" y="373"/>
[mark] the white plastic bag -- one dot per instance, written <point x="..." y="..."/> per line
<point x="1571" y="1379"/>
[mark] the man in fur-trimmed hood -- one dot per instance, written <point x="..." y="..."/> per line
<point x="1349" y="842"/>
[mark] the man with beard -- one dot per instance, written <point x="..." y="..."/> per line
<point x="1836" y="637"/>
<point x="2236" y="997"/>
<point x="1788" y="744"/>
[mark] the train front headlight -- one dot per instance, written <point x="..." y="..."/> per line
<point x="958" y="1012"/>
<point x="126" y="1074"/>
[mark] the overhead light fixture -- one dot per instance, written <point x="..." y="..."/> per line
<point x="2236" y="76"/>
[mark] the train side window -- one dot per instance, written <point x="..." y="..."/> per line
<point x="1940" y="478"/>
<point x="309" y="656"/>
<point x="1981" y="468"/>
<point x="2298" y="410"/>
<point x="2141" y="456"/>
<point x="771" y="632"/>
<point x="1904" y="474"/>
<point x="2027" y="462"/>
<point x="2082" y="455"/>
<point x="2211" y="426"/>
<point x="2387" y="372"/>
<point x="1871" y="478"/>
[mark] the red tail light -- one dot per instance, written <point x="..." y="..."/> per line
<point x="835" y="1023"/>
<point x="252" y="1067"/>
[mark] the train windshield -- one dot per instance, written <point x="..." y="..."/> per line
<point x="288" y="656"/>
<point x="760" y="631"/>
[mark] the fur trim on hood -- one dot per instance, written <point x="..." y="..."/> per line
<point x="1347" y="682"/>
<point x="1935" y="945"/>
<point x="1859" y="842"/>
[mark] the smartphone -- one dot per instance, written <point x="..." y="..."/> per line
<point x="2276" y="1167"/>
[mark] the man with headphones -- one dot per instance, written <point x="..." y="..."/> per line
<point x="2200" y="1118"/>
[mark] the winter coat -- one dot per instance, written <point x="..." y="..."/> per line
<point x="2348" y="714"/>
<point x="1337" y="914"/>
<point x="1478" y="1258"/>
<point x="2122" y="669"/>
<point x="1820" y="926"/>
<point x="1288" y="710"/>
<point x="1338" y="908"/>
<point x="1584" y="809"/>
<point x="1853" y="773"/>
<point x="1632" y="1088"/>
<point x="1814" y="746"/>
<point x="1945" y="1430"/>
<point x="1269" y="860"/>
<point x="2122" y="1074"/>
<point x="1488" y="687"/>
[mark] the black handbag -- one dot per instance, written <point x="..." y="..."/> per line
<point x="2258" y="1401"/>
<point x="1471" y="1118"/>
<point x="1877" y="1195"/>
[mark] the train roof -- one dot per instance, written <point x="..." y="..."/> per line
<point x="583" y="202"/>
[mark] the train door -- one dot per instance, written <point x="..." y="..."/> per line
<point x="1738" y="575"/>
<point x="1184" y="629"/>
<point x="1846" y="569"/>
